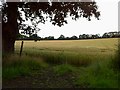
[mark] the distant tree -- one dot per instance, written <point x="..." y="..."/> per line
<point x="67" y="38"/>
<point x="113" y="34"/>
<point x="118" y="34"/>
<point x="49" y="38"/>
<point x="80" y="36"/>
<point x="84" y="36"/>
<point x="105" y="35"/>
<point x="74" y="37"/>
<point x="89" y="36"/>
<point x="98" y="36"/>
<point x="62" y="37"/>
<point x="34" y="37"/>
<point x="34" y="11"/>
<point x="93" y="36"/>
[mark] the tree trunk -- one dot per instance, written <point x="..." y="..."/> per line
<point x="10" y="28"/>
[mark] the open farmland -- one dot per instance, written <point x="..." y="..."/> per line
<point x="66" y="63"/>
<point x="106" y="46"/>
<point x="75" y="49"/>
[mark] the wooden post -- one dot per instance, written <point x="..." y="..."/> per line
<point x="21" y="48"/>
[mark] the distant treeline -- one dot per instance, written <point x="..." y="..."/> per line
<point x="62" y="37"/>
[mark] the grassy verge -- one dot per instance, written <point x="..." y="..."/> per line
<point x="14" y="66"/>
<point x="98" y="75"/>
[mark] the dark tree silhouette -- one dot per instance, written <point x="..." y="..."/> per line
<point x="62" y="37"/>
<point x="57" y="12"/>
<point x="74" y="37"/>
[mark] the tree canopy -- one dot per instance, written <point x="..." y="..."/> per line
<point x="57" y="12"/>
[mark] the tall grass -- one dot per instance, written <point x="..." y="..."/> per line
<point x="116" y="61"/>
<point x="14" y="66"/>
<point x="67" y="58"/>
<point x="97" y="75"/>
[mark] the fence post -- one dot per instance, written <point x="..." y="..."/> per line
<point x="21" y="48"/>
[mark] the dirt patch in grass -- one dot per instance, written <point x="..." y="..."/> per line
<point x="41" y="79"/>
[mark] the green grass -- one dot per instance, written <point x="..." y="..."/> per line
<point x="64" y="69"/>
<point x="14" y="66"/>
<point x="91" y="61"/>
<point x="98" y="75"/>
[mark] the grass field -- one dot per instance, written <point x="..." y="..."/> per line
<point x="87" y="63"/>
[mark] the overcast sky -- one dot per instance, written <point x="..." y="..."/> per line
<point x="108" y="22"/>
